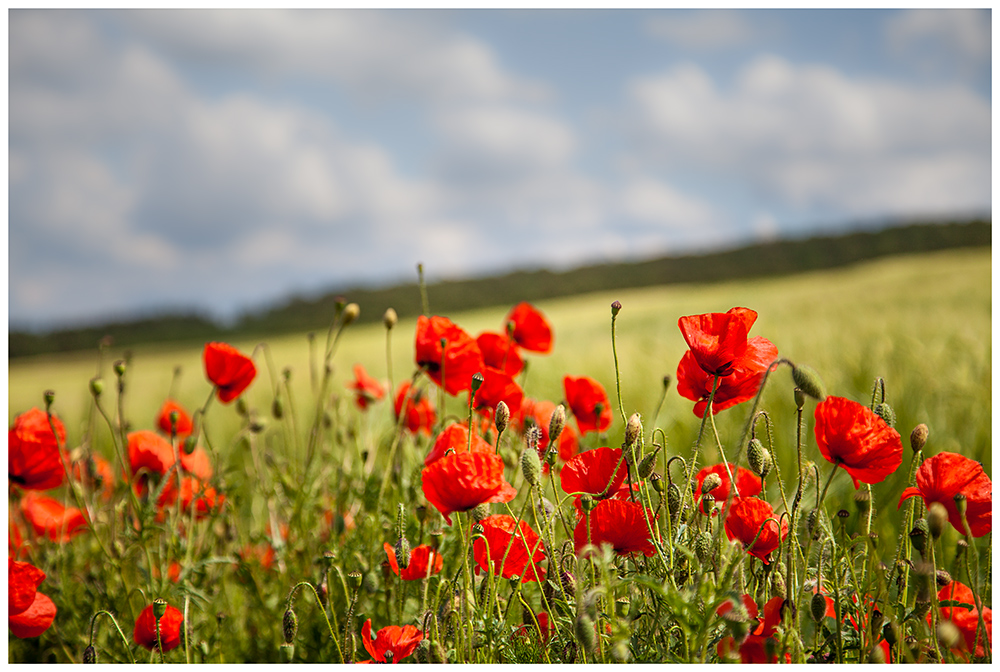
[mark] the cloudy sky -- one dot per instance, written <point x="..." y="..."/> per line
<point x="224" y="160"/>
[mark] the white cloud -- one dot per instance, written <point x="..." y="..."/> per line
<point x="659" y="203"/>
<point x="703" y="29"/>
<point x="939" y="37"/>
<point x="817" y="139"/>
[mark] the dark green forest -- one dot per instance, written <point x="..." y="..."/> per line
<point x="298" y="314"/>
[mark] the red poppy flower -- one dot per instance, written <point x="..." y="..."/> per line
<point x="462" y="358"/>
<point x="462" y="481"/>
<point x="717" y="340"/>
<point x="851" y="435"/>
<point x="500" y="352"/>
<point x="455" y="437"/>
<point x="747" y="482"/>
<point x="34" y="620"/>
<point x="367" y="389"/>
<point x="15" y="537"/>
<point x="170" y="628"/>
<point x="746" y="516"/>
<point x="584" y="395"/>
<point x="531" y="329"/>
<point x="150" y="450"/>
<point x="424" y="562"/>
<point x="740" y="385"/>
<point x="184" y="424"/>
<point x="497" y="386"/>
<point x="23" y="580"/>
<point x="965" y="619"/>
<point x="420" y="416"/>
<point x="399" y="641"/>
<point x="229" y="370"/>
<point x="197" y="463"/>
<point x="945" y="475"/>
<point x="759" y="646"/>
<point x="520" y="559"/>
<point x="193" y="491"/>
<point x="543" y="632"/>
<point x="620" y="523"/>
<point x="262" y="553"/>
<point x="49" y="518"/>
<point x="33" y="460"/>
<point x="592" y="470"/>
<point x="539" y="414"/>
<point x="95" y="471"/>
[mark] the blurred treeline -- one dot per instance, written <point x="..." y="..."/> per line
<point x="298" y="314"/>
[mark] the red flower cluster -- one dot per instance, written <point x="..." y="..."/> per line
<point x="619" y="523"/>
<point x="462" y="481"/>
<point x="945" y="475"/>
<point x="228" y="369"/>
<point x="50" y="519"/>
<point x="760" y="646"/>
<point x="849" y="434"/>
<point x="419" y="414"/>
<point x="30" y="613"/>
<point x="511" y="551"/>
<point x="170" y="628"/>
<point x="453" y="366"/>
<point x="719" y="346"/>
<point x="397" y="641"/>
<point x="746" y="516"/>
<point x="148" y="450"/>
<point x="367" y="390"/>
<point x="589" y="402"/>
<point x="424" y="562"/>
<point x="747" y="482"/>
<point x="33" y="458"/>
<point x="965" y="619"/>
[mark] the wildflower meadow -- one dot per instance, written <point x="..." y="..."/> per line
<point x="767" y="475"/>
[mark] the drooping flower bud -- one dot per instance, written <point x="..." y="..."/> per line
<point x="647" y="464"/>
<point x="389" y="318"/>
<point x="937" y="516"/>
<point x="633" y="429"/>
<point x="885" y="412"/>
<point x="278" y="408"/>
<point x="817" y="607"/>
<point x="289" y="625"/>
<point x="501" y="417"/>
<point x="758" y="457"/>
<point x="918" y="437"/>
<point x="943" y="578"/>
<point x="711" y="482"/>
<point x="809" y="382"/>
<point x="673" y="501"/>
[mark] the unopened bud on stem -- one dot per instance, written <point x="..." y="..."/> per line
<point x="918" y="437"/>
<point x="502" y="416"/>
<point x="389" y="318"/>
<point x="351" y="312"/>
<point x="809" y="382"/>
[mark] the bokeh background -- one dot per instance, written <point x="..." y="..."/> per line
<point x="223" y="160"/>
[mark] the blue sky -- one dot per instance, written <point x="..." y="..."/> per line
<point x="224" y="160"/>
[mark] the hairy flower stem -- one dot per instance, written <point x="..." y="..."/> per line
<point x="697" y="446"/>
<point x="397" y="436"/>
<point x="291" y="598"/>
<point x="732" y="481"/>
<point x="614" y="350"/>
<point x="93" y="623"/>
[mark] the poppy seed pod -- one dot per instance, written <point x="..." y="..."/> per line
<point x="159" y="608"/>
<point x="477" y="382"/>
<point x="885" y="412"/>
<point x="800" y="398"/>
<point x="707" y="504"/>
<point x="531" y="466"/>
<point x="501" y="416"/>
<point x="289" y="625"/>
<point x="918" y="437"/>
<point x="961" y="503"/>
<point x="759" y="458"/>
<point x="287" y="652"/>
<point x="817" y="607"/>
<point x="587" y="503"/>
<point x="809" y="382"/>
<point x="351" y="312"/>
<point x="389" y="318"/>
<point x="937" y="516"/>
<point x="863" y="500"/>
<point x="633" y="429"/>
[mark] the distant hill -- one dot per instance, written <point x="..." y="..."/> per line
<point x="780" y="257"/>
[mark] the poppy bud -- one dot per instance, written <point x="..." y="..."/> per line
<point x="278" y="408"/>
<point x="758" y="457"/>
<point x="96" y="386"/>
<point x="616" y="306"/>
<point x="876" y="656"/>
<point x="666" y="383"/>
<point x="587" y="503"/>
<point x="647" y="464"/>
<point x="556" y="423"/>
<point x="918" y="535"/>
<point x="711" y="482"/>
<point x="918" y="437"/>
<point x="90" y="656"/>
<point x="532" y="437"/>
<point x="437" y="654"/>
<point x="885" y="412"/>
<point x="289" y="625"/>
<point x="583" y="627"/>
<point x="287" y="652"/>
<point x="568" y="582"/>
<point x="531" y="466"/>
<point x="778" y="585"/>
<point x="501" y="417"/>
<point x="351" y="313"/>
<point x="477" y="382"/>
<point x="800" y="398"/>
<point x="190" y="443"/>
<point x="863" y="500"/>
<point x="937" y="516"/>
<point x="703" y="546"/>
<point x="119" y="367"/>
<point x="355" y="578"/>
<point x="809" y="382"/>
<point x="159" y="608"/>
<point x="241" y="406"/>
<point x="961" y="503"/>
<point x="943" y="578"/>
<point x="402" y="551"/>
<point x="673" y="501"/>
<point x="657" y="482"/>
<point x="891" y="632"/>
<point x="633" y="428"/>
<point x="948" y="635"/>
<point x="389" y="318"/>
<point x="817" y="607"/>
<point x="876" y="622"/>
<point x="707" y="504"/>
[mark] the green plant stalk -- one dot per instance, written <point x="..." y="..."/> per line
<point x="618" y="382"/>
<point x="289" y="602"/>
<point x="697" y="446"/>
<point x="93" y="623"/>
